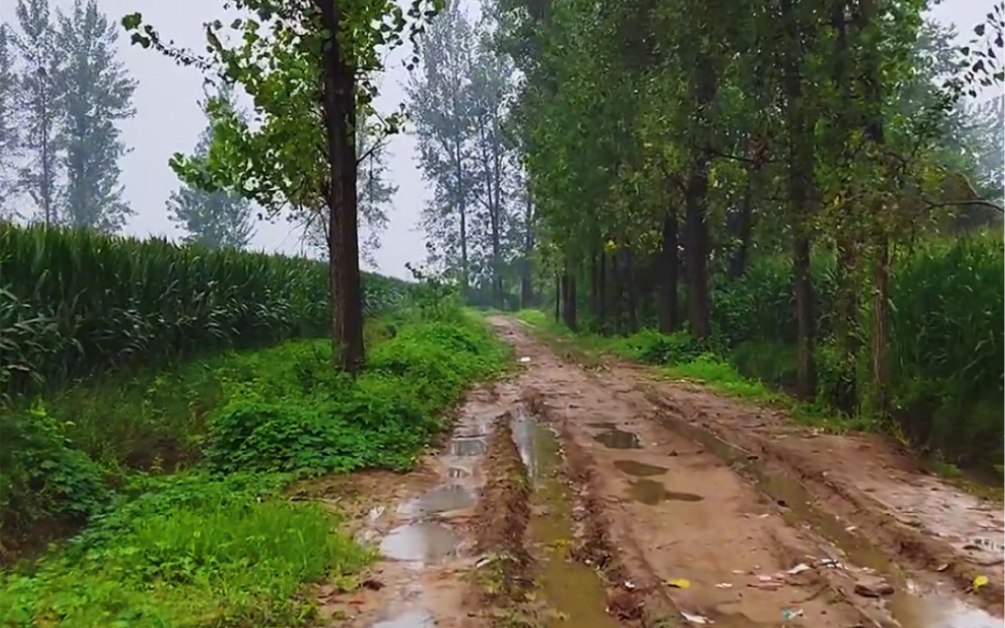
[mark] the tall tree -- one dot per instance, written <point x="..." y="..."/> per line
<point x="215" y="219"/>
<point x="374" y="194"/>
<point x="492" y="172"/>
<point x="440" y="107"/>
<point x="39" y="105"/>
<point x="307" y="69"/>
<point x="10" y="137"/>
<point x="96" y="94"/>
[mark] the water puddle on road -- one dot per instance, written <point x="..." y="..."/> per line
<point x="909" y="606"/>
<point x="651" y="492"/>
<point x="474" y="446"/>
<point x="422" y="542"/>
<point x="638" y="469"/>
<point x="441" y="499"/>
<point x="410" y="619"/>
<point x="570" y="588"/>
<point x="618" y="439"/>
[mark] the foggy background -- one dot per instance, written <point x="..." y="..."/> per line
<point x="168" y="120"/>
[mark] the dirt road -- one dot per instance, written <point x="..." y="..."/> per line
<point x="609" y="496"/>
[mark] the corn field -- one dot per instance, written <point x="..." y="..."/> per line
<point x="74" y="304"/>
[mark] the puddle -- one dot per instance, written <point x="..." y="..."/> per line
<point x="410" y="619"/>
<point x="909" y="607"/>
<point x="440" y="499"/>
<point x="422" y="541"/>
<point x="618" y="439"/>
<point x="651" y="492"/>
<point x="638" y="469"/>
<point x="467" y="447"/>
<point x="569" y="587"/>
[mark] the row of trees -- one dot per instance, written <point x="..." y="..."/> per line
<point x="62" y="93"/>
<point x="478" y="222"/>
<point x="673" y="142"/>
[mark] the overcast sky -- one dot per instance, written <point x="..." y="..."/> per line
<point x="168" y="120"/>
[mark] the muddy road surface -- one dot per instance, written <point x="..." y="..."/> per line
<point x="606" y="497"/>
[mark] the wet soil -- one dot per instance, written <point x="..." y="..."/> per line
<point x="727" y="532"/>
<point x="424" y="526"/>
<point x="568" y="497"/>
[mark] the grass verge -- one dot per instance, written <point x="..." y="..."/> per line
<point x="218" y="544"/>
<point x="679" y="356"/>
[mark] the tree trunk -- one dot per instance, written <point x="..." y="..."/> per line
<point x="696" y="250"/>
<point x="617" y="288"/>
<point x="705" y="85"/>
<point x="558" y="297"/>
<point x="462" y="212"/>
<point x="800" y="179"/>
<point x="602" y="292"/>
<point x="668" y="274"/>
<point x="568" y="283"/>
<point x="633" y="296"/>
<point x="339" y="101"/>
<point x="846" y="322"/>
<point x="744" y="230"/>
<point x="526" y="285"/>
<point x="846" y="325"/>
<point x="880" y="323"/>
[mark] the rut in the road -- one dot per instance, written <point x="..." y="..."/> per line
<point x="689" y="529"/>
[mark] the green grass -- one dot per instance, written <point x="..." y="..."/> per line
<point x="679" y="356"/>
<point x="196" y="552"/>
<point x="218" y="544"/>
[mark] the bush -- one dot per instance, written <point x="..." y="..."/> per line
<point x="383" y="418"/>
<point x="74" y="303"/>
<point x="42" y="477"/>
<point x="652" y="347"/>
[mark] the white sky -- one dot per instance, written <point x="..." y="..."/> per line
<point x="168" y="120"/>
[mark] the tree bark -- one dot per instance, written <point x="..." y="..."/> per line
<point x="526" y="285"/>
<point x="800" y="179"/>
<point x="339" y="101"/>
<point x="632" y="293"/>
<point x="744" y="230"/>
<point x="696" y="238"/>
<point x="668" y="274"/>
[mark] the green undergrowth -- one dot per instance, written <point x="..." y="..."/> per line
<point x="216" y="543"/>
<point x="680" y="356"/>
<point x="192" y="551"/>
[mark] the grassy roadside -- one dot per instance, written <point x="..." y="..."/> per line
<point x="677" y="356"/>
<point x="217" y="544"/>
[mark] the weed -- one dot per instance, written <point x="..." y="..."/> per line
<point x="197" y="551"/>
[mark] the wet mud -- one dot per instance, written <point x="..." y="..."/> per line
<point x="572" y="590"/>
<point x="707" y="531"/>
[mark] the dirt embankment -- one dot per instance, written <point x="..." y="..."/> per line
<point x="721" y="532"/>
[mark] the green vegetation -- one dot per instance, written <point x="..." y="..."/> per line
<point x="74" y="304"/>
<point x="195" y="552"/>
<point x="178" y="550"/>
<point x="945" y="341"/>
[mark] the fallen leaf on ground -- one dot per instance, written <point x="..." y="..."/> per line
<point x="979" y="582"/>
<point x="696" y="619"/>
<point x="678" y="583"/>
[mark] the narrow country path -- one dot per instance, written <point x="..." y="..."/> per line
<point x="738" y="503"/>
<point x="627" y="499"/>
